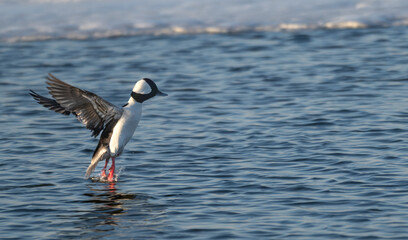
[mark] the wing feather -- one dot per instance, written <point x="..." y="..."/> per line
<point x="89" y="108"/>
<point x="49" y="103"/>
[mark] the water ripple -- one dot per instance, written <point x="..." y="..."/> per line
<point x="282" y="135"/>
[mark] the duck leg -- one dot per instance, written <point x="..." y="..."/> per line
<point x="111" y="170"/>
<point x="103" y="173"/>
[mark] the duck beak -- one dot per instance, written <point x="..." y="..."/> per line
<point x="161" y="94"/>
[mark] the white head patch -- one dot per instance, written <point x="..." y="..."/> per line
<point x="142" y="87"/>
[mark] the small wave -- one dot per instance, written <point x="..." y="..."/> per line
<point x="193" y="31"/>
<point x="35" y="20"/>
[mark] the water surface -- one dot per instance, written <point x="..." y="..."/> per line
<point x="264" y="135"/>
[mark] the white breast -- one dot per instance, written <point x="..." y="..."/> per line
<point x="124" y="129"/>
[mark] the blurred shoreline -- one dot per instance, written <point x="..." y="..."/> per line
<point x="37" y="20"/>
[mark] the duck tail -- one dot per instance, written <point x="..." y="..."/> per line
<point x="100" y="154"/>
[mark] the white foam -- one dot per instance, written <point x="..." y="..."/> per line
<point x="28" y="20"/>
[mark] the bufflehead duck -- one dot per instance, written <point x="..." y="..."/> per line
<point x="117" y="124"/>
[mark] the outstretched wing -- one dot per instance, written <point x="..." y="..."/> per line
<point x="89" y="108"/>
<point x="49" y="103"/>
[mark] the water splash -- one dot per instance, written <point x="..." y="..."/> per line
<point x="116" y="176"/>
<point x="103" y="179"/>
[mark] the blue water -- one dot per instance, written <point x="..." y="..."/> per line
<point x="264" y="135"/>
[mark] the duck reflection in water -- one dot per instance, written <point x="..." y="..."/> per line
<point x="114" y="211"/>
